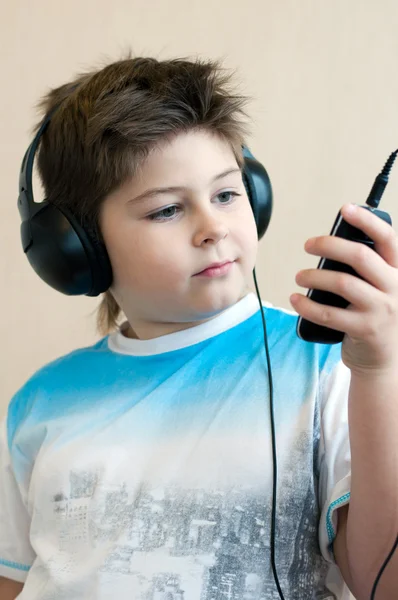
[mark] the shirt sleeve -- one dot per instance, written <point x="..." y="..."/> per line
<point x="334" y="457"/>
<point x="16" y="553"/>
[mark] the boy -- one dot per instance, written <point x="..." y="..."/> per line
<point x="141" y="467"/>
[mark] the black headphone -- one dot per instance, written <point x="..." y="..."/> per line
<point x="69" y="257"/>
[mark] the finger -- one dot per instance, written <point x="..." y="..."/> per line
<point x="347" y="320"/>
<point x="356" y="291"/>
<point x="365" y="261"/>
<point x="383" y="234"/>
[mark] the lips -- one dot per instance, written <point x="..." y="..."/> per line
<point x="217" y="267"/>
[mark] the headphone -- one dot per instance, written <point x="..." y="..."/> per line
<point x="68" y="255"/>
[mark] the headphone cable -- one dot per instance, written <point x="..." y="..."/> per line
<point x="273" y="438"/>
<point x="387" y="560"/>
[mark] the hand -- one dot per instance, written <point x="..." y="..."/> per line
<point x="370" y="321"/>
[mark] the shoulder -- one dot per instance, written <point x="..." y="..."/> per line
<point x="41" y="390"/>
<point x="310" y="365"/>
<point x="281" y="326"/>
<point x="75" y="362"/>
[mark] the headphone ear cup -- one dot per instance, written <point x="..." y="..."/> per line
<point x="63" y="255"/>
<point x="259" y="191"/>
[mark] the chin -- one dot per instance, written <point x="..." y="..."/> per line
<point x="216" y="303"/>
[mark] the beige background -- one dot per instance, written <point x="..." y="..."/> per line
<point x="323" y="78"/>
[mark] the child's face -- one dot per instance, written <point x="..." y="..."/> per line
<point x="159" y="243"/>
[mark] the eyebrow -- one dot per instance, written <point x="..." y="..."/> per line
<point x="171" y="189"/>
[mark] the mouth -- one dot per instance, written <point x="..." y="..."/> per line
<point x="216" y="269"/>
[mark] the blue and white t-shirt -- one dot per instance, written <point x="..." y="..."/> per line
<point x="142" y="469"/>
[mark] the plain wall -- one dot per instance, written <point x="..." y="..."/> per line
<point x="325" y="95"/>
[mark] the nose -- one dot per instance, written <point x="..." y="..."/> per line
<point x="210" y="227"/>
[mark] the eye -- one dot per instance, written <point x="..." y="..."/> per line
<point x="227" y="197"/>
<point x="166" y="214"/>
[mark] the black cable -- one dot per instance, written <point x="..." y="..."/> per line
<point x="380" y="182"/>
<point x="273" y="437"/>
<point x="373" y="594"/>
<point x="275" y="465"/>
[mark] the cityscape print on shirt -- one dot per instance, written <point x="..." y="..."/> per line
<point x="172" y="543"/>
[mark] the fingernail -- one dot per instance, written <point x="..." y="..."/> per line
<point x="309" y="243"/>
<point x="351" y="208"/>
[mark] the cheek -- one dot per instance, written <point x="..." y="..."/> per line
<point x="146" y="263"/>
<point x="248" y="237"/>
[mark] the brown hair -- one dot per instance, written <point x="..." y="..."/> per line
<point x="109" y="119"/>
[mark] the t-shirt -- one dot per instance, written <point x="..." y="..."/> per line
<point x="142" y="469"/>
